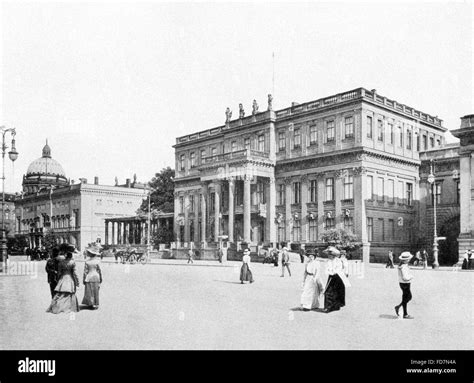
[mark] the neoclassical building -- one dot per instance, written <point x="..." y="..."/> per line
<point x="75" y="212"/>
<point x="350" y="160"/>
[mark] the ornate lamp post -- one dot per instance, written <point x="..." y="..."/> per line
<point x="13" y="155"/>
<point x="431" y="180"/>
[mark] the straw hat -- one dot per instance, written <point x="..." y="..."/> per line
<point x="405" y="256"/>
<point x="93" y="250"/>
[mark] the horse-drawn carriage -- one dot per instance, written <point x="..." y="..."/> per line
<point x="125" y="254"/>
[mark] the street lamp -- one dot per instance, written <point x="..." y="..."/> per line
<point x="149" y="224"/>
<point x="431" y="180"/>
<point x="13" y="155"/>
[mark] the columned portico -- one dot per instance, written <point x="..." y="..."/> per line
<point x="231" y="181"/>
<point x="247" y="206"/>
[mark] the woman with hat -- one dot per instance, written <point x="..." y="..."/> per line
<point x="312" y="286"/>
<point x="92" y="277"/>
<point x="65" y="300"/>
<point x="404" y="278"/>
<point x="245" y="273"/>
<point x="334" y="293"/>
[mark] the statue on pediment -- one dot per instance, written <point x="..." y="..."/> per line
<point x="228" y="115"/>
<point x="254" y="107"/>
<point x="241" y="111"/>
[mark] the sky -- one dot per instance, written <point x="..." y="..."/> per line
<point x="111" y="85"/>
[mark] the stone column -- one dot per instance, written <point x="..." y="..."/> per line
<point x="465" y="192"/>
<point x="106" y="232"/>
<point x="231" y="208"/>
<point x="217" y="210"/>
<point x="304" y="209"/>
<point x="204" y="213"/>
<point x="288" y="217"/>
<point x="186" y="217"/>
<point x="360" y="216"/>
<point x="119" y="233"/>
<point x="247" y="211"/>
<point x="321" y="198"/>
<point x="176" y="215"/>
<point x="196" y="220"/>
<point x="271" y="202"/>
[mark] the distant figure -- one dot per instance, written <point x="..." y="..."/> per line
<point x="190" y="256"/>
<point x="92" y="278"/>
<point x="302" y="255"/>
<point x="285" y="262"/>
<point x="245" y="273"/>
<point x="390" y="260"/>
<point x="52" y="270"/>
<point x="424" y="254"/>
<point x="220" y="253"/>
<point x="417" y="260"/>
<point x="404" y="279"/>
<point x="470" y="263"/>
<point x="465" y="262"/>
<point x="312" y="286"/>
<point x="424" y="260"/>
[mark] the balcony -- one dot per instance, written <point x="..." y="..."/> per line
<point x="238" y="155"/>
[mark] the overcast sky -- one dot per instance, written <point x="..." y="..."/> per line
<point x="111" y="86"/>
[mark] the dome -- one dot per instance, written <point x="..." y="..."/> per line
<point x="45" y="165"/>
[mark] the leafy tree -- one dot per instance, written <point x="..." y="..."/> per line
<point x="18" y="242"/>
<point x="162" y="195"/>
<point x="341" y="239"/>
<point x="50" y="240"/>
<point x="162" y="235"/>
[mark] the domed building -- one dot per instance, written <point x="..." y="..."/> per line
<point x="44" y="172"/>
<point x="73" y="212"/>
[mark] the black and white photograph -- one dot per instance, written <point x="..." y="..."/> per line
<point x="237" y="176"/>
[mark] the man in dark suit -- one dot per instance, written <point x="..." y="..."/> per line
<point x="52" y="270"/>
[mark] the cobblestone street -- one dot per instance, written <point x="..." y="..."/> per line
<point x="203" y="306"/>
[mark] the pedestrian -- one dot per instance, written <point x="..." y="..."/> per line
<point x="65" y="300"/>
<point x="424" y="254"/>
<point x="245" y="273"/>
<point x="390" y="260"/>
<point x="285" y="262"/>
<point x="417" y="259"/>
<point x="92" y="278"/>
<point x="190" y="255"/>
<point x="470" y="263"/>
<point x="424" y="259"/>
<point x="52" y="270"/>
<point x="312" y="286"/>
<point x="404" y="279"/>
<point x="302" y="254"/>
<point x="220" y="254"/>
<point x="334" y="293"/>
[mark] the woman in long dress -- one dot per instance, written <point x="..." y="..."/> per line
<point x="65" y="300"/>
<point x="245" y="273"/>
<point x="92" y="278"/>
<point x="335" y="291"/>
<point x="312" y="286"/>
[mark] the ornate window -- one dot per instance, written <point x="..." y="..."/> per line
<point x="349" y="224"/>
<point x="349" y="187"/>
<point x="313" y="230"/>
<point x="297" y="138"/>
<point x="380" y="130"/>
<point x="330" y="131"/>
<point x="409" y="193"/>
<point x="261" y="143"/>
<point x="296" y="192"/>
<point x="313" y="135"/>
<point x="349" y="127"/>
<point x="281" y="194"/>
<point x="192" y="159"/>
<point x="281" y="141"/>
<point x="313" y="191"/>
<point x="370" y="229"/>
<point x="369" y="127"/>
<point x="330" y="189"/>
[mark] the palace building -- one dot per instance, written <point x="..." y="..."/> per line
<point x="74" y="212"/>
<point x="349" y="161"/>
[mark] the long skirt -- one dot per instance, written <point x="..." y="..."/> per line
<point x="310" y="298"/>
<point x="245" y="273"/>
<point x="63" y="303"/>
<point x="91" y="294"/>
<point x="335" y="295"/>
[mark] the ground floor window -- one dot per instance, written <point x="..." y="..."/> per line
<point x="313" y="230"/>
<point x="296" y="230"/>
<point x="281" y="232"/>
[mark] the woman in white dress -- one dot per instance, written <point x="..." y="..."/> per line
<point x="312" y="286"/>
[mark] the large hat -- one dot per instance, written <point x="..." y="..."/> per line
<point x="93" y="249"/>
<point x="405" y="256"/>
<point x="247" y="250"/>
<point x="285" y="249"/>
<point x="331" y="250"/>
<point x="66" y="248"/>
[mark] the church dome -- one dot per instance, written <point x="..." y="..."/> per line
<point x="45" y="165"/>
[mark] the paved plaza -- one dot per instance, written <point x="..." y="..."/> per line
<point x="172" y="305"/>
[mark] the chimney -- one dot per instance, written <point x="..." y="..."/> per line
<point x="127" y="183"/>
<point x="96" y="180"/>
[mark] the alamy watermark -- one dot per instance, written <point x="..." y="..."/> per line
<point x="20" y="268"/>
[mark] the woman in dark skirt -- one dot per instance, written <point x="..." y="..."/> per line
<point x="65" y="300"/>
<point x="245" y="273"/>
<point x="92" y="278"/>
<point x="335" y="291"/>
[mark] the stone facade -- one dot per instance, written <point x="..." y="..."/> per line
<point x="346" y="161"/>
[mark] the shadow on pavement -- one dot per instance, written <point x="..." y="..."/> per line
<point x="387" y="316"/>
<point x="236" y="283"/>
<point x="84" y="307"/>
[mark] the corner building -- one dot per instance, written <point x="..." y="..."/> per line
<point x="345" y="161"/>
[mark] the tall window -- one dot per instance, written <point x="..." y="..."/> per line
<point x="212" y="202"/>
<point x="431" y="142"/>
<point x="425" y="142"/>
<point x="438" y="142"/>
<point x="182" y="160"/>
<point x="191" y="230"/>
<point x="436" y="193"/>
<point x="313" y="190"/>
<point x="260" y="192"/>
<point x="247" y="143"/>
<point x="313" y="230"/>
<point x="370" y="187"/>
<point x="313" y="135"/>
<point x="417" y="142"/>
<point x="391" y="229"/>
<point x="203" y="155"/>
<point x="181" y="204"/>
<point x="213" y="151"/>
<point x="348" y="187"/>
<point x="261" y="143"/>
<point x="369" y="127"/>
<point x="296" y="230"/>
<point x="349" y="127"/>
<point x="409" y="193"/>
<point x="349" y="224"/>
<point x="192" y="159"/>
<point x="370" y="229"/>
<point x="233" y="146"/>
<point x="329" y="223"/>
<point x="380" y="130"/>
<point x="391" y="190"/>
<point x="380" y="189"/>
<point x="281" y="232"/>
<point x="191" y="203"/>
<point x="330" y="131"/>
<point x="330" y="189"/>
<point x="281" y="194"/>
<point x="390" y="134"/>
<point x="381" y="229"/>
<point x="281" y="141"/>
<point x="409" y="139"/>
<point x="296" y="192"/>
<point x="400" y="137"/>
<point x="401" y="194"/>
<point x="297" y="138"/>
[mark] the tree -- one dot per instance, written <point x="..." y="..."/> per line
<point x="162" y="195"/>
<point x="50" y="240"/>
<point x="341" y="239"/>
<point x="162" y="235"/>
